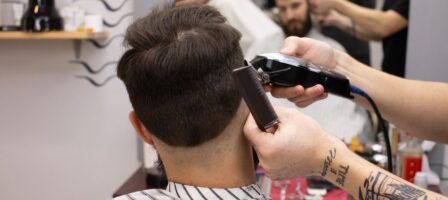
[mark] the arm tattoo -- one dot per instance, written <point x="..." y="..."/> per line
<point x="342" y="173"/>
<point x="331" y="156"/>
<point x="380" y="186"/>
<point x="339" y="172"/>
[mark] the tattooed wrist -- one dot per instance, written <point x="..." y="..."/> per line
<point x="337" y="171"/>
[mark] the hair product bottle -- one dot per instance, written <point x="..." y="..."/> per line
<point x="409" y="158"/>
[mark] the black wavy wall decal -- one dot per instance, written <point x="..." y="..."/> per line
<point x="103" y="45"/>
<point x="107" y="43"/>
<point x="97" y="84"/>
<point x="90" y="69"/>
<point x="108" y="6"/>
<point x="111" y="25"/>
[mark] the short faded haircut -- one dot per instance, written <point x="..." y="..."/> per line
<point x="177" y="72"/>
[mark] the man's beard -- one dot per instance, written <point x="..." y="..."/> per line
<point x="298" y="31"/>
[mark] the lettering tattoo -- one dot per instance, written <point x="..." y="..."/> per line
<point x="380" y="186"/>
<point x="333" y="171"/>
<point x="327" y="163"/>
<point x="342" y="173"/>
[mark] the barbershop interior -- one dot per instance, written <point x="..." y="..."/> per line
<point x="223" y="99"/>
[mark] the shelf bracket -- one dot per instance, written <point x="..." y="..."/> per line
<point x="77" y="44"/>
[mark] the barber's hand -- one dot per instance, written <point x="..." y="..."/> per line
<point x="314" y="51"/>
<point x="297" y="148"/>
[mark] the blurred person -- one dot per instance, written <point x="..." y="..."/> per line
<point x="389" y="25"/>
<point x="177" y="72"/>
<point x="296" y="20"/>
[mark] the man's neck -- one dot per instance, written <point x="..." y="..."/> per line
<point x="224" y="162"/>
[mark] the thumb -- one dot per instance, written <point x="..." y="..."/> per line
<point x="253" y="133"/>
<point x="295" y="46"/>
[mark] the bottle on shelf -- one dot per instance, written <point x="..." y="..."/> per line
<point x="409" y="158"/>
<point x="42" y="16"/>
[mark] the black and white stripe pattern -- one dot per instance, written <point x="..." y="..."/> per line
<point x="176" y="191"/>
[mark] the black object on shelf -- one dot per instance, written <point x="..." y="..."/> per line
<point x="41" y="16"/>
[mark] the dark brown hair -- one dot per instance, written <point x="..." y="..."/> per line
<point x="178" y="73"/>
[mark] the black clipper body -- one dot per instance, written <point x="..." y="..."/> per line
<point x="281" y="70"/>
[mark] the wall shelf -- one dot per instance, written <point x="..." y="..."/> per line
<point x="17" y="35"/>
<point x="77" y="37"/>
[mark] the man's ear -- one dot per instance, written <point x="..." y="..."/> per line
<point x="140" y="128"/>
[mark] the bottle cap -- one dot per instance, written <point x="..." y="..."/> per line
<point x="421" y="179"/>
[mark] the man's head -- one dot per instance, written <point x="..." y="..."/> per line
<point x="178" y="73"/>
<point x="295" y="17"/>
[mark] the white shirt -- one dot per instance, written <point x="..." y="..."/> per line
<point x="259" y="33"/>
<point x="175" y="191"/>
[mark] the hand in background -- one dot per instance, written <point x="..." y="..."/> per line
<point x="334" y="18"/>
<point x="322" y="6"/>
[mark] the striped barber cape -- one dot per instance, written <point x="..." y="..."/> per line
<point x="176" y="191"/>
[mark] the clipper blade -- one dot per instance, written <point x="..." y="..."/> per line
<point x="248" y="83"/>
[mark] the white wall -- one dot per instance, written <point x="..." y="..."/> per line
<point x="428" y="44"/>
<point x="427" y="58"/>
<point x="142" y="7"/>
<point x="60" y="136"/>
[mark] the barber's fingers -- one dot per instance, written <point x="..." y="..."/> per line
<point x="287" y="92"/>
<point x="305" y="103"/>
<point x="295" y="46"/>
<point x="253" y="133"/>
<point x="312" y="93"/>
<point x="258" y="137"/>
<point x="267" y="87"/>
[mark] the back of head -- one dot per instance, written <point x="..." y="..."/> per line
<point x="178" y="73"/>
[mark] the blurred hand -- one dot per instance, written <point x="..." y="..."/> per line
<point x="314" y="51"/>
<point x="297" y="148"/>
<point x="322" y="6"/>
<point x="333" y="18"/>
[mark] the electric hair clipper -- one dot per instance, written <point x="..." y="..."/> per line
<point x="287" y="71"/>
<point x="249" y="85"/>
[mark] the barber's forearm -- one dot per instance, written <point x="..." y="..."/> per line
<point x="420" y="108"/>
<point x="364" y="180"/>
